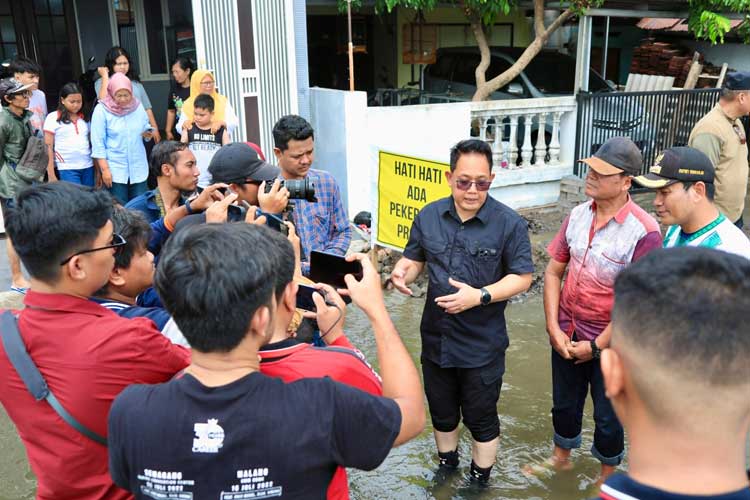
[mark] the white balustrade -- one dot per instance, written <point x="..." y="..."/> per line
<point x="513" y="124"/>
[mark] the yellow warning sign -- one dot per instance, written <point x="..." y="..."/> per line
<point x="405" y="186"/>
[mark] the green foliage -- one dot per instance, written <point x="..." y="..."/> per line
<point x="707" y="22"/>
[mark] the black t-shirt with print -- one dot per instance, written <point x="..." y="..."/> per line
<point x="177" y="97"/>
<point x="246" y="439"/>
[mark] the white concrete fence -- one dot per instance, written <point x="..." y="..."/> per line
<point x="349" y="136"/>
<point x="502" y="122"/>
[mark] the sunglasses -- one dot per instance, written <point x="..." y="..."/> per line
<point x="117" y="242"/>
<point x="465" y="185"/>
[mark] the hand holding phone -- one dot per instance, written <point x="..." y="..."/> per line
<point x="331" y="269"/>
<point x="330" y="309"/>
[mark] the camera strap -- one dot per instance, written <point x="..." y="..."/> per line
<point x="32" y="378"/>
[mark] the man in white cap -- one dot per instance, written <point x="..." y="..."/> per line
<point x="14" y="135"/>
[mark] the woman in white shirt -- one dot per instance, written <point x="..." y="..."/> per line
<point x="66" y="134"/>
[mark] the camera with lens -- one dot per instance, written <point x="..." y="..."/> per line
<point x="299" y="189"/>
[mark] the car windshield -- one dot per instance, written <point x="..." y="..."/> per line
<point x="555" y="74"/>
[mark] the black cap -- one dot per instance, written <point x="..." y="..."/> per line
<point x="681" y="164"/>
<point x="12" y="86"/>
<point x="616" y="156"/>
<point x="739" y="80"/>
<point x="237" y="162"/>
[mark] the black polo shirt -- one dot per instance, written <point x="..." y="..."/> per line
<point x="478" y="252"/>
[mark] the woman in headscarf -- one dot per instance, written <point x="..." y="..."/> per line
<point x="118" y="60"/>
<point x="203" y="82"/>
<point x="118" y="126"/>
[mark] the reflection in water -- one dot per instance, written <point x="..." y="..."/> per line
<point x="524" y="409"/>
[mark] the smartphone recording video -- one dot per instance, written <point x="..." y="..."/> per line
<point x="304" y="298"/>
<point x="331" y="269"/>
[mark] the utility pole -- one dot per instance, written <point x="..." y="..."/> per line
<point x="351" y="46"/>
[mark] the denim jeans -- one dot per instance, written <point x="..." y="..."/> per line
<point x="83" y="176"/>
<point x="126" y="192"/>
<point x="570" y="385"/>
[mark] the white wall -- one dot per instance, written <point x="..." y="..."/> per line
<point x="338" y="119"/>
<point x="426" y="132"/>
<point x="736" y="55"/>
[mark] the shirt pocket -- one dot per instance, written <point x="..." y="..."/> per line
<point x="483" y="262"/>
<point x="610" y="266"/>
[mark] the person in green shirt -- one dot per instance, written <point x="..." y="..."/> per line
<point x="14" y="134"/>
<point x="683" y="179"/>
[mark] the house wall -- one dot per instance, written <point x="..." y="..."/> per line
<point x="456" y="36"/>
<point x="95" y="34"/>
<point x="736" y="55"/>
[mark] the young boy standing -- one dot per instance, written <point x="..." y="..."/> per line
<point x="28" y="72"/>
<point x="203" y="138"/>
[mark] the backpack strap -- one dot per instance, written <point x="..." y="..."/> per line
<point x="32" y="378"/>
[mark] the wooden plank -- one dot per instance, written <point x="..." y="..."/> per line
<point x="695" y="70"/>
<point x="722" y="75"/>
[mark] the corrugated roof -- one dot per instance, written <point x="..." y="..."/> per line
<point x="672" y="24"/>
<point x="650" y="23"/>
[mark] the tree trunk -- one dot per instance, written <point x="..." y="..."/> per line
<point x="486" y="88"/>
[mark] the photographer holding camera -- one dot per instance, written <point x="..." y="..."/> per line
<point x="322" y="225"/>
<point x="239" y="166"/>
<point x="225" y="427"/>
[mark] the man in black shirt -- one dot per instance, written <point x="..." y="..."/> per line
<point x="224" y="430"/>
<point x="479" y="256"/>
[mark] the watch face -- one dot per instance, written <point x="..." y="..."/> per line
<point x="486" y="297"/>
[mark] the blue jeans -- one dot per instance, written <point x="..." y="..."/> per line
<point x="570" y="385"/>
<point x="83" y="176"/>
<point x="126" y="192"/>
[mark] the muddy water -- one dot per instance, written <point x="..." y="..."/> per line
<point x="524" y="409"/>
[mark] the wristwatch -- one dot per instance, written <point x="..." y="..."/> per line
<point x="485" y="298"/>
<point x="595" y="351"/>
<point x="188" y="207"/>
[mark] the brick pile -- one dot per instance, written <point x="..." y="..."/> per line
<point x="666" y="59"/>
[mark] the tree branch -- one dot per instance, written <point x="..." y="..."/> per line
<point x="538" y="18"/>
<point x="480" y="73"/>
<point x="484" y="90"/>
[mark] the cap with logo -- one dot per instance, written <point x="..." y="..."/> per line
<point x="739" y="80"/>
<point x="238" y="162"/>
<point x="616" y="156"/>
<point x="680" y="164"/>
<point x="12" y="86"/>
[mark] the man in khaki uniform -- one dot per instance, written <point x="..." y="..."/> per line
<point x="721" y="136"/>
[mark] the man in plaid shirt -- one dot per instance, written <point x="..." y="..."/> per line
<point x="321" y="226"/>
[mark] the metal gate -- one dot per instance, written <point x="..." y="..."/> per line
<point x="654" y="120"/>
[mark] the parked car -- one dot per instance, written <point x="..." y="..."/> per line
<point x="549" y="74"/>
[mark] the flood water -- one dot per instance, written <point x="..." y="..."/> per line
<point x="524" y="410"/>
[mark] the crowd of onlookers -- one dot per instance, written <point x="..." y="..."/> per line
<point x="162" y="349"/>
